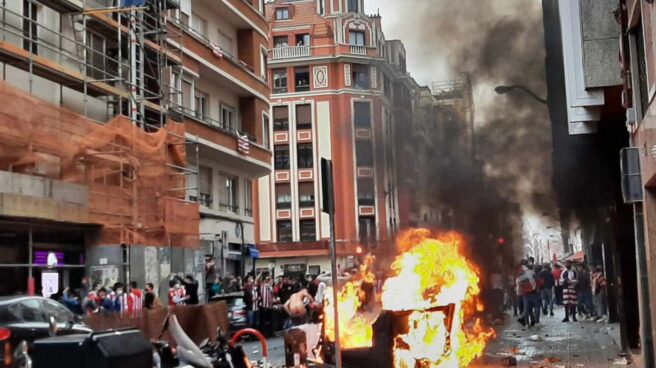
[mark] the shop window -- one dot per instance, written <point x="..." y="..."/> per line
<point x="308" y="230"/>
<point x="283" y="196"/>
<point x="303" y="117"/>
<point x="280" y="81"/>
<point x="305" y="157"/>
<point x="281" y="157"/>
<point x="362" y="115"/>
<point x="285" y="231"/>
<point x="302" y="78"/>
<point x="306" y="195"/>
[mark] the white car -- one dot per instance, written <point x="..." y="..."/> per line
<point x="327" y="278"/>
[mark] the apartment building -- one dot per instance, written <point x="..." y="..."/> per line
<point x="225" y="96"/>
<point x="142" y="132"/>
<point x="589" y="132"/>
<point x="331" y="98"/>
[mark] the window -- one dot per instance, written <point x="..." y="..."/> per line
<point x="280" y="41"/>
<point x="198" y="25"/>
<point x="322" y="7"/>
<point x="305" y="159"/>
<point x="282" y="13"/>
<point x="306" y="194"/>
<point x="360" y="76"/>
<point x="367" y="229"/>
<point x="228" y="193"/>
<point x="366" y="192"/>
<point x="205" y="187"/>
<point x="303" y="39"/>
<point x="280" y="118"/>
<point x="264" y="63"/>
<point x="228" y="120"/>
<point x="362" y="115"/>
<point x="200" y="104"/>
<point x="96" y="56"/>
<point x="281" y="157"/>
<point x="302" y="78"/>
<point x="356" y="38"/>
<point x="176" y="87"/>
<point x="266" y="138"/>
<point x="31" y="310"/>
<point x="303" y="117"/>
<point x="30" y="32"/>
<point x="225" y="42"/>
<point x="187" y="90"/>
<point x="58" y="311"/>
<point x="248" y="198"/>
<point x="280" y="81"/>
<point x="308" y="230"/>
<point x="285" y="231"/>
<point x="364" y="153"/>
<point x="353" y="6"/>
<point x="283" y="196"/>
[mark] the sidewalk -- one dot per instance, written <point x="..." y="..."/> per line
<point x="555" y="344"/>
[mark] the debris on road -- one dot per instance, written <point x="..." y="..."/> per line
<point x="509" y="361"/>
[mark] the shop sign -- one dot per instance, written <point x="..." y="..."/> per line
<point x="294" y="268"/>
<point x="50" y="283"/>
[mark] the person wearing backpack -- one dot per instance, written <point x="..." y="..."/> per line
<point x="527" y="288"/>
<point x="569" y="279"/>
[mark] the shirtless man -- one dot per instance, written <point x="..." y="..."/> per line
<point x="296" y="306"/>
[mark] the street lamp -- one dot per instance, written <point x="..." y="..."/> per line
<point x="502" y="90"/>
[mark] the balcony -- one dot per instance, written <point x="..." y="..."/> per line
<point x="291" y="52"/>
<point x="358" y="50"/>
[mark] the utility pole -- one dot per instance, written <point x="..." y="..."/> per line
<point x="329" y="208"/>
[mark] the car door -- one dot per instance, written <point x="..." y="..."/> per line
<point x="65" y="318"/>
<point x="31" y="323"/>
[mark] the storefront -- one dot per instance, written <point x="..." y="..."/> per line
<point x="43" y="258"/>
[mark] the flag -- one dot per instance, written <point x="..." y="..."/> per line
<point x="243" y="144"/>
<point x="216" y="50"/>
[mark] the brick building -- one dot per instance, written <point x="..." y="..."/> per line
<point x="332" y="79"/>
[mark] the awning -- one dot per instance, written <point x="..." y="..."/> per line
<point x="575" y="257"/>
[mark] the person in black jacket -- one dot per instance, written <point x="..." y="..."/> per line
<point x="191" y="286"/>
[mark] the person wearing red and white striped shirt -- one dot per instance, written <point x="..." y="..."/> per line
<point x="135" y="299"/>
<point x="266" y="302"/>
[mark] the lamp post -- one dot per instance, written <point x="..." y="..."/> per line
<point x="502" y="90"/>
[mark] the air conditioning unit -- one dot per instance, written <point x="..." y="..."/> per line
<point x="632" y="190"/>
<point x="631" y="116"/>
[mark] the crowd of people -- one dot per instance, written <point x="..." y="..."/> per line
<point x="536" y="288"/>
<point x="272" y="305"/>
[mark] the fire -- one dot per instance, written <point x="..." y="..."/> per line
<point x="428" y="273"/>
<point x="354" y="327"/>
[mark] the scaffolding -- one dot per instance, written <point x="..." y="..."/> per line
<point x="122" y="58"/>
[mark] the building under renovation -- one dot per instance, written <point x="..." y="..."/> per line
<point x="115" y="158"/>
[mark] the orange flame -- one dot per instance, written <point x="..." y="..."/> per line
<point x="429" y="272"/>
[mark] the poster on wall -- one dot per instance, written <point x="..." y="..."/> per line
<point x="104" y="275"/>
<point x="49" y="283"/>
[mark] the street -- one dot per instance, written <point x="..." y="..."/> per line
<point x="550" y="344"/>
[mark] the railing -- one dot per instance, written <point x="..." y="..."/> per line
<point x="291" y="52"/>
<point x="358" y="50"/>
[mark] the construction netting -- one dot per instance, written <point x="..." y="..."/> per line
<point x="136" y="176"/>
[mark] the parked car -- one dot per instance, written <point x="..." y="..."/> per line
<point x="237" y="314"/>
<point x="27" y="318"/>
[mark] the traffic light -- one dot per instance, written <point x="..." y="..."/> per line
<point x="358" y="250"/>
<point x="501" y="241"/>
